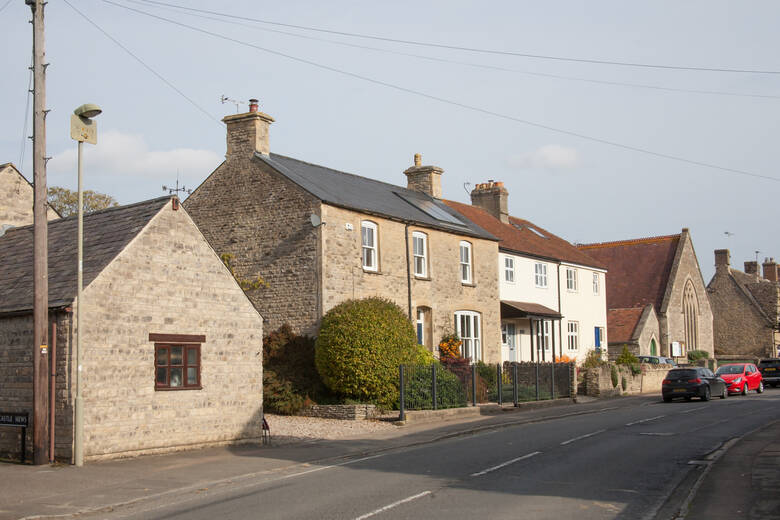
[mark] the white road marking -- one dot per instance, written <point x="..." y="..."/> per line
<point x="645" y="420"/>
<point x="394" y="504"/>
<point x="564" y="443"/>
<point x="658" y="434"/>
<point x="507" y="463"/>
<point x="346" y="463"/>
<point x="697" y="409"/>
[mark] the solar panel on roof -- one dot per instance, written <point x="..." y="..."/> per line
<point x="431" y="209"/>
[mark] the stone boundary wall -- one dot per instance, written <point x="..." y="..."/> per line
<point x="347" y="412"/>
<point x="597" y="382"/>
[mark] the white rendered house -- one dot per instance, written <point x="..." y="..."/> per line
<point x="553" y="296"/>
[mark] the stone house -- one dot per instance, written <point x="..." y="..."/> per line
<point x="662" y="272"/>
<point x="745" y="308"/>
<point x="171" y="348"/>
<point x="319" y="236"/>
<point x="553" y="298"/>
<point x="16" y="199"/>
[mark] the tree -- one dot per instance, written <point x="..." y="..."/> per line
<point x="66" y="202"/>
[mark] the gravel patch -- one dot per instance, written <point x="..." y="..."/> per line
<point x="286" y="429"/>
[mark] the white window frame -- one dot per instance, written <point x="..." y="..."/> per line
<point x="420" y="326"/>
<point x="470" y="336"/>
<point x="465" y="265"/>
<point x="371" y="249"/>
<point x="540" y="275"/>
<point x="545" y="334"/>
<point x="571" y="279"/>
<point x="573" y="335"/>
<point x="596" y="284"/>
<point x="509" y="269"/>
<point x="420" y="258"/>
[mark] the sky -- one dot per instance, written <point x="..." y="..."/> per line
<point x="564" y="136"/>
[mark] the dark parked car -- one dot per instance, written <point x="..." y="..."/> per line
<point x="692" y="382"/>
<point x="741" y="378"/>
<point x="770" y="371"/>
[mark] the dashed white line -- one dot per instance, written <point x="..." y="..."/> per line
<point x="658" y="434"/>
<point x="645" y="420"/>
<point x="564" y="443"/>
<point x="698" y="409"/>
<point x="504" y="464"/>
<point x="394" y="504"/>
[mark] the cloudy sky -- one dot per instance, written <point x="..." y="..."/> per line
<point x="569" y="138"/>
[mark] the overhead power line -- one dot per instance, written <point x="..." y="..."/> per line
<point x="147" y="67"/>
<point x="448" y="101"/>
<point x="5" y="5"/>
<point x="475" y="49"/>
<point x="254" y="26"/>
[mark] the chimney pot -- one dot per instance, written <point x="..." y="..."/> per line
<point x="417" y="159"/>
<point x="253" y="105"/>
<point x="247" y="133"/>
<point x="492" y="197"/>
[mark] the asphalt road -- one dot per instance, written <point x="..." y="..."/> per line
<point x="620" y="463"/>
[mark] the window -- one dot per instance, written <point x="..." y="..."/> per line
<point x="177" y="366"/>
<point x="596" y="288"/>
<point x="368" y="238"/>
<point x="540" y="275"/>
<point x="420" y="326"/>
<point x="420" y="253"/>
<point x="691" y="317"/>
<point x="573" y="337"/>
<point x="571" y="279"/>
<point x="543" y="334"/>
<point x="509" y="269"/>
<point x="467" y="326"/>
<point x="465" y="262"/>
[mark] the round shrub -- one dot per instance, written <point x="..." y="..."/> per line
<point x="360" y="346"/>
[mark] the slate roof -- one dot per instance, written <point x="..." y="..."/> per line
<point x="518" y="236"/>
<point x="638" y="269"/>
<point x="106" y="234"/>
<point x="368" y="195"/>
<point x="621" y="324"/>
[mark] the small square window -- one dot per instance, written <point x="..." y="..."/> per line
<point x="571" y="279"/>
<point x="509" y="269"/>
<point x="177" y="366"/>
<point x="540" y="274"/>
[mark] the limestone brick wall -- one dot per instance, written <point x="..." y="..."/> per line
<point x="441" y="291"/>
<point x="672" y="321"/>
<point x="739" y="328"/>
<point x="16" y="375"/>
<point x="168" y="280"/>
<point x="16" y="198"/>
<point x="347" y="412"/>
<point x="246" y="209"/>
<point x="767" y="294"/>
<point x="649" y="330"/>
<point x="597" y="382"/>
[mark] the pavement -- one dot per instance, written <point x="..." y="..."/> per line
<point x="739" y="480"/>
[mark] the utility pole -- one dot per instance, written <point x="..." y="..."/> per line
<point x="40" y="248"/>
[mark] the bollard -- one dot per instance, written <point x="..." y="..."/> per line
<point x="402" y="413"/>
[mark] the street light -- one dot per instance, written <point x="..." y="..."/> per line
<point x="82" y="129"/>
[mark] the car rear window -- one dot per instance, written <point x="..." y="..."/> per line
<point x="681" y="374"/>
<point x="769" y="363"/>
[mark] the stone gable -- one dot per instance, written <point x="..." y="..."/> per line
<point x="16" y="198"/>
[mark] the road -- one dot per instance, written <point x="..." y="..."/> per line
<point x="620" y="463"/>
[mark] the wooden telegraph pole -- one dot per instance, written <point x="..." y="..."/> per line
<point x="40" y="249"/>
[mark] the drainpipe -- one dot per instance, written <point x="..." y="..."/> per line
<point x="560" y="324"/>
<point x="408" y="271"/>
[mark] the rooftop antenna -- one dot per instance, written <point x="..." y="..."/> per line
<point x="466" y="188"/>
<point x="728" y="234"/>
<point x="224" y="99"/>
<point x="757" y="252"/>
<point x="177" y="190"/>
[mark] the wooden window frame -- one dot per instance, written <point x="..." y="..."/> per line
<point x="186" y="361"/>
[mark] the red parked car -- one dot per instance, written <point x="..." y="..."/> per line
<point x="741" y="378"/>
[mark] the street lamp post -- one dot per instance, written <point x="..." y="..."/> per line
<point x="82" y="129"/>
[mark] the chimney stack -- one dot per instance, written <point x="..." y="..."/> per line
<point x="722" y="260"/>
<point x="426" y="179"/>
<point x="770" y="269"/>
<point x="751" y="268"/>
<point x="247" y="133"/>
<point x="492" y="197"/>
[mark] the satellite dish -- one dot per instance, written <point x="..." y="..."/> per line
<point x="315" y="220"/>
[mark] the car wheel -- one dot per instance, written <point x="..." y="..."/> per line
<point x="667" y="399"/>
<point x="725" y="393"/>
<point x="760" y="388"/>
<point x="745" y="389"/>
<point x="706" y="396"/>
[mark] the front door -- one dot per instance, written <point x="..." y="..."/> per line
<point x="509" y="341"/>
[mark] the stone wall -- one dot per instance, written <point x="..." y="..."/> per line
<point x="739" y="327"/>
<point x="16" y="198"/>
<point x="348" y="412"/>
<point x="441" y="291"/>
<point x="168" y="281"/>
<point x="597" y="382"/>
<point x="16" y="374"/>
<point x="247" y="210"/>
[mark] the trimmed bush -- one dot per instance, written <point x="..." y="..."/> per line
<point x="624" y="383"/>
<point x="613" y="372"/>
<point x="695" y="355"/>
<point x="360" y="346"/>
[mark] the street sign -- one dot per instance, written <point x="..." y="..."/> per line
<point x="83" y="129"/>
<point x="19" y="420"/>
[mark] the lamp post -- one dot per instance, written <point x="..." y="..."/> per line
<point x="82" y="129"/>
